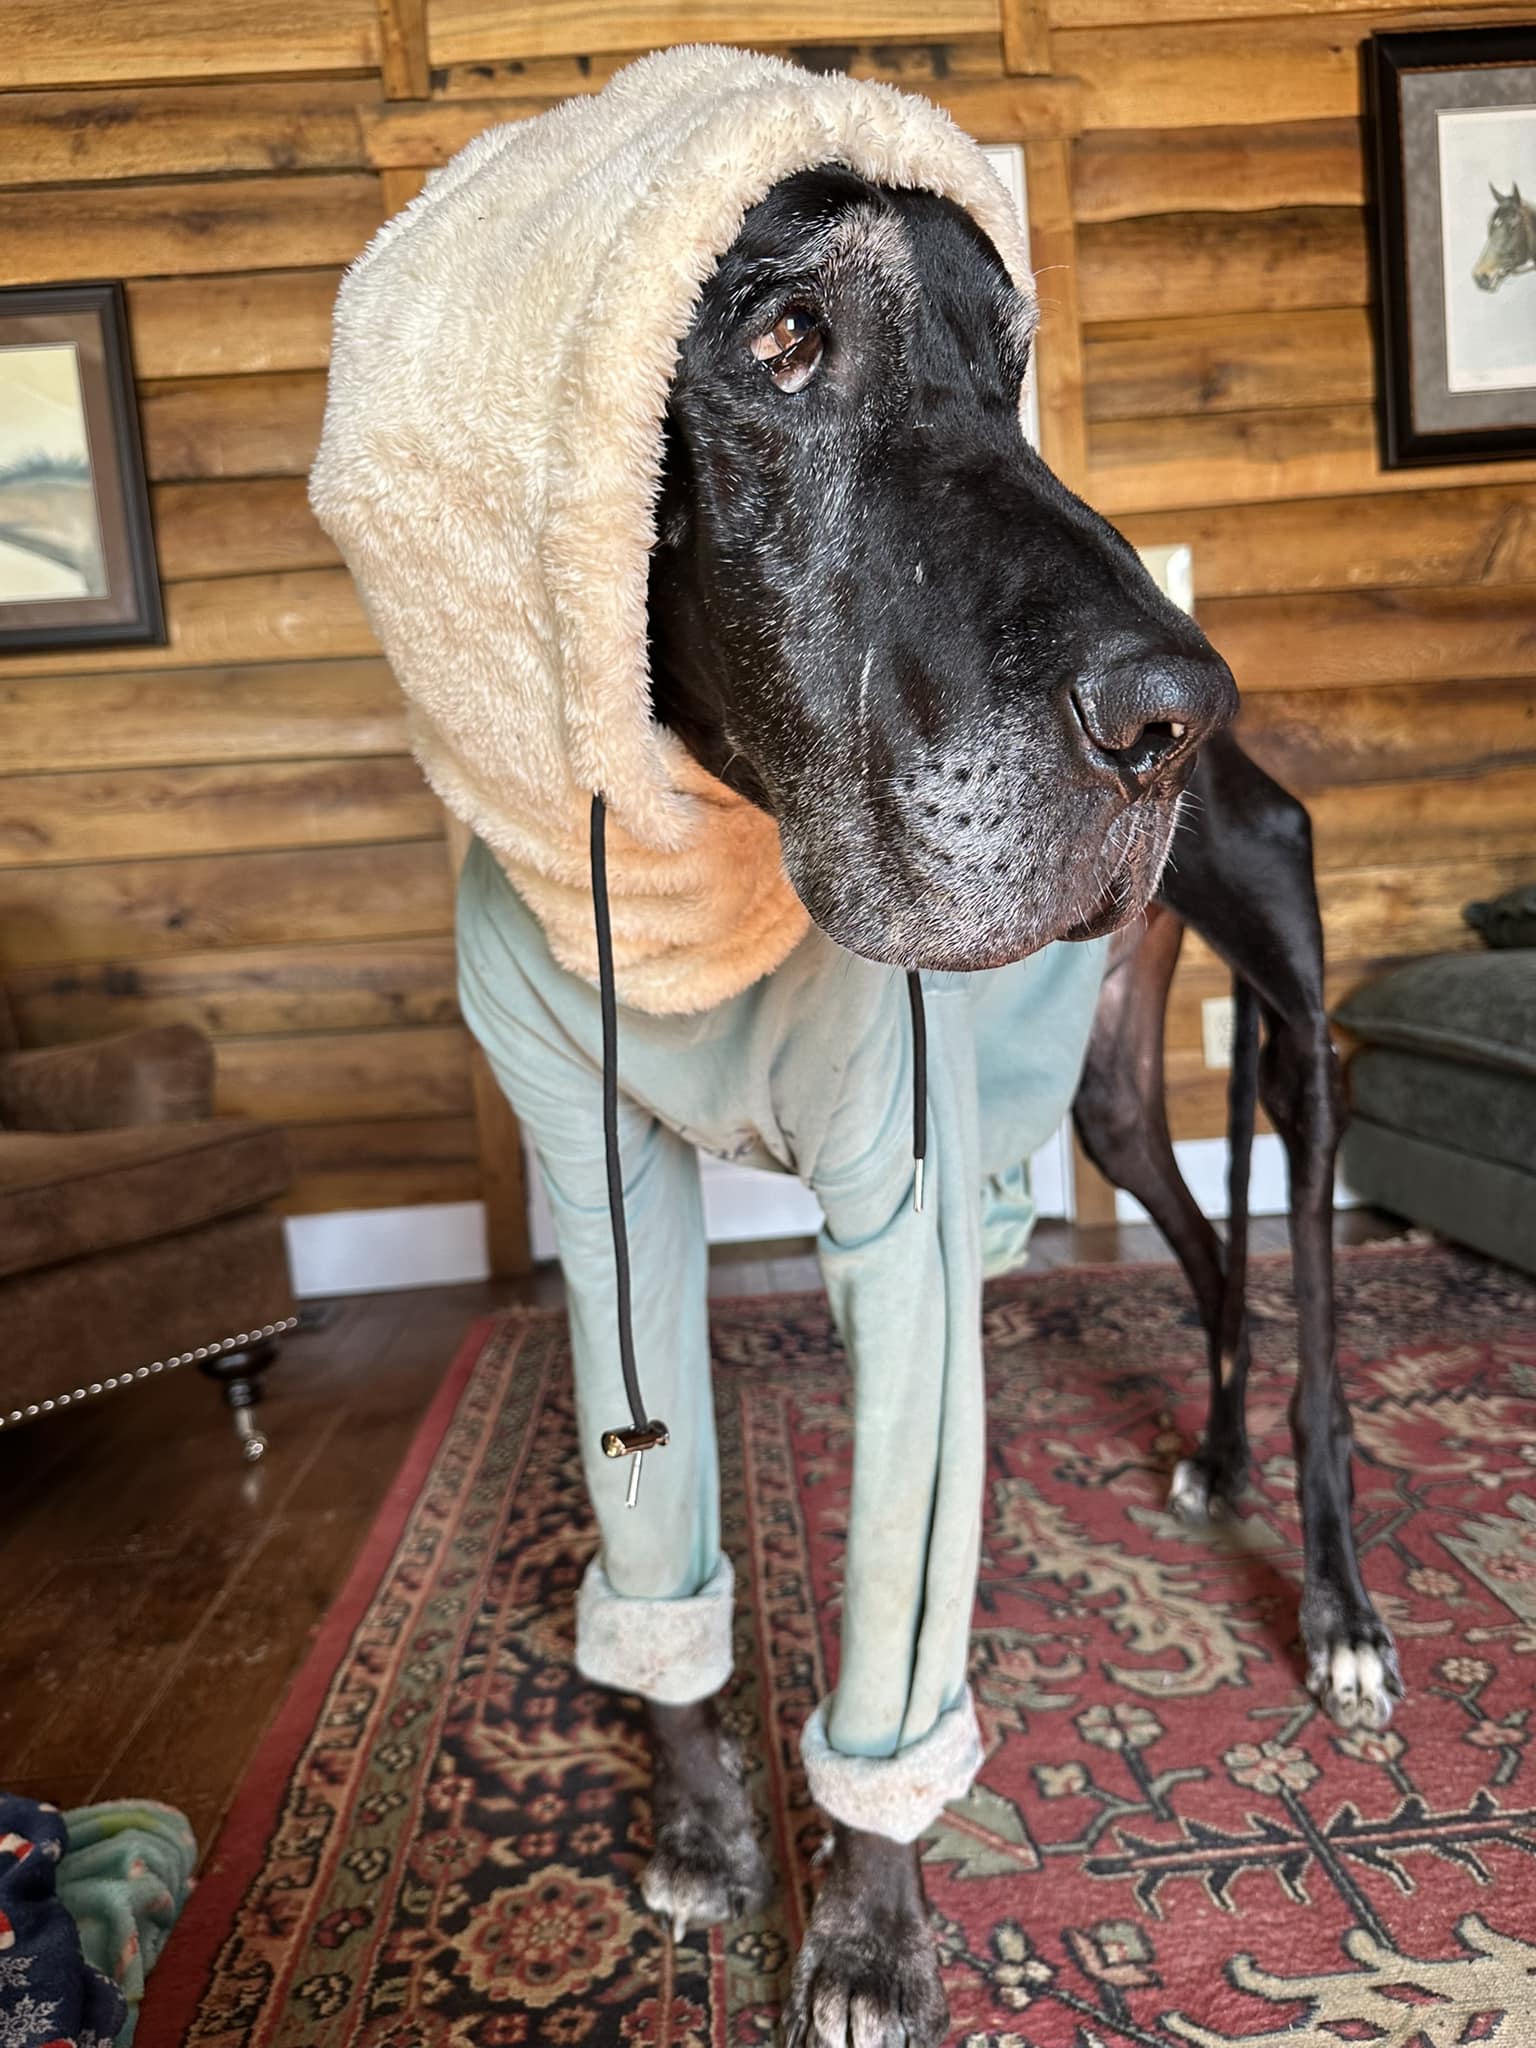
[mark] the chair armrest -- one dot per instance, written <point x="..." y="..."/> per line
<point x="159" y="1076"/>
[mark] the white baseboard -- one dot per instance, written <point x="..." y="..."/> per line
<point x="370" y="1251"/>
<point x="743" y="1204"/>
<point x="1203" y="1163"/>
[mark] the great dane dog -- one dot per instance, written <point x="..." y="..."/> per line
<point x="1037" y="714"/>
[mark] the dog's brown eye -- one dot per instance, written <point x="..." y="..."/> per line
<point x="791" y="348"/>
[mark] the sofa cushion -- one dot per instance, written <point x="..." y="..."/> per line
<point x="1479" y="1202"/>
<point x="1476" y="1110"/>
<point x="65" y="1194"/>
<point x="156" y="1076"/>
<point x="1468" y="1006"/>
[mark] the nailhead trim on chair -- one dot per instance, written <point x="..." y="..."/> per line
<point x="143" y="1372"/>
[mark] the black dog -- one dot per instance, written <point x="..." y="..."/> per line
<point x="1244" y="880"/>
<point x="875" y="613"/>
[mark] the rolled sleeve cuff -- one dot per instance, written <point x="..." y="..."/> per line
<point x="671" y="1651"/>
<point x="900" y="1795"/>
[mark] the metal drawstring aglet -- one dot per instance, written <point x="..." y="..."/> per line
<point x="634" y="1443"/>
<point x="917" y="1185"/>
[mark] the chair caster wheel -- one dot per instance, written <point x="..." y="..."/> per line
<point x="252" y="1443"/>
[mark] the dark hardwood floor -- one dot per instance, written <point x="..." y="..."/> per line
<point x="157" y="1595"/>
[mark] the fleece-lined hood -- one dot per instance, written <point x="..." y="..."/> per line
<point x="489" y="466"/>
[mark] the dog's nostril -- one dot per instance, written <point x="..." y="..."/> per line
<point x="1137" y="718"/>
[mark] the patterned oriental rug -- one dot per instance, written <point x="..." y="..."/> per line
<point x="437" y="1844"/>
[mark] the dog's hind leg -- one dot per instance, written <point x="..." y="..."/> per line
<point x="1244" y="881"/>
<point x="706" y="1865"/>
<point x="1122" y="1120"/>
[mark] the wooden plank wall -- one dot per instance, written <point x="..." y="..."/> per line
<point x="228" y="829"/>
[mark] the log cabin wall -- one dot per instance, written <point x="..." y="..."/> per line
<point x="228" y="829"/>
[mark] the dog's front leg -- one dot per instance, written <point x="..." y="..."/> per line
<point x="706" y="1866"/>
<point x="868" y="1971"/>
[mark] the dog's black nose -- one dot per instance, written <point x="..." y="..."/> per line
<point x="1134" y="720"/>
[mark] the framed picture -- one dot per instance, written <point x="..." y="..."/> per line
<point x="1455" y="123"/>
<point x="77" y="557"/>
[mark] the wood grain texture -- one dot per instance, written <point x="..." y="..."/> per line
<point x="232" y="426"/>
<point x="1411" y="910"/>
<point x="1026" y="35"/>
<point x="1238" y="362"/>
<point x="141" y="909"/>
<point x="1315" y="740"/>
<point x="280" y="711"/>
<point x="1059" y="358"/>
<point x="136" y="813"/>
<point x="179" y="131"/>
<point x="1246" y="458"/>
<point x="465" y="31"/>
<point x="1472" y="535"/>
<point x="299" y="615"/>
<point x="1128" y="173"/>
<point x="1351" y="638"/>
<point x="255" y="992"/>
<point x="188" y="229"/>
<point x="403" y="60"/>
<point x="1201" y="74"/>
<point x="237" y="527"/>
<point x="938" y="56"/>
<point x="1172" y="265"/>
<point x="55" y="42"/>
<point x="1425" y="824"/>
<point x="1007" y="109"/>
<point x="252" y="321"/>
<point x="1150" y="13"/>
<point x="337" y="1077"/>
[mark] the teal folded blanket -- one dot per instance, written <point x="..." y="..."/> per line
<point x="124" y="1879"/>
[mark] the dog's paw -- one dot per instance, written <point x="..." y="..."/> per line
<point x="1203" y="1488"/>
<point x="1353" y="1674"/>
<point x="706" y="1868"/>
<point x="1189" y="1494"/>
<point x="878" y="1990"/>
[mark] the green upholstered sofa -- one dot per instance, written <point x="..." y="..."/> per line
<point x="1442" y="1089"/>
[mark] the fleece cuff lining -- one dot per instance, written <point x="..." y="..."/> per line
<point x="670" y="1651"/>
<point x="897" y="1796"/>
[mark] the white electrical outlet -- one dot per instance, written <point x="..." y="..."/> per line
<point x="1172" y="569"/>
<point x="1216" y="1030"/>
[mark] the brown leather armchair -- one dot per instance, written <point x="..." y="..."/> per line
<point x="133" y="1233"/>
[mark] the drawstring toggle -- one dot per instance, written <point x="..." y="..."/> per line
<point x="641" y="1435"/>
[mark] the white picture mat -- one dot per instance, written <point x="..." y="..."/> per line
<point x="1490" y="337"/>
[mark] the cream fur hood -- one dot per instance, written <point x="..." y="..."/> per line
<point x="489" y="463"/>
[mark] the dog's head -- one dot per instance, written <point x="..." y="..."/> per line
<point x="876" y="613"/>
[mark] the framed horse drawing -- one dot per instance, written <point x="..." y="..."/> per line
<point x="1454" y="113"/>
<point x="77" y="558"/>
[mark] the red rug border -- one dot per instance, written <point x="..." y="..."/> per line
<point x="175" y="1987"/>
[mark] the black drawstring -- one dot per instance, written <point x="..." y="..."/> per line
<point x="919" y="1086"/>
<point x="645" y="1434"/>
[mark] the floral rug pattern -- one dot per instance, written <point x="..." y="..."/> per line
<point x="1167" y="1845"/>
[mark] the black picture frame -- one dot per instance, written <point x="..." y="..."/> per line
<point x="114" y="558"/>
<point x="1423" y="421"/>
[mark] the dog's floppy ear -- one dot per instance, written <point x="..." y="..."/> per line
<point x="674" y="497"/>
